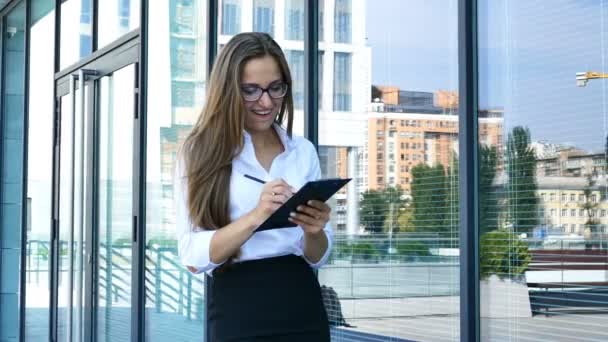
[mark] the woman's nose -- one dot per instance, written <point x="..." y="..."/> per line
<point x="265" y="100"/>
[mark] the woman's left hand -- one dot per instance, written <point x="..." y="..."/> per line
<point x="311" y="217"/>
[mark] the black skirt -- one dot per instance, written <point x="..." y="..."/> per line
<point x="273" y="299"/>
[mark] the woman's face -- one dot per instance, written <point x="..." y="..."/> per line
<point x="261" y="74"/>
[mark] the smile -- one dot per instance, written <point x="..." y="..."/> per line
<point x="262" y="112"/>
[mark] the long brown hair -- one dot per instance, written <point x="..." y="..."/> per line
<point x="217" y="136"/>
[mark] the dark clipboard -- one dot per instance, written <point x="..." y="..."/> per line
<point x="320" y="190"/>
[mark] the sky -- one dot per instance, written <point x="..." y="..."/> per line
<point x="529" y="54"/>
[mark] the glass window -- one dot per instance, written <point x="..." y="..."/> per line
<point x="231" y="17"/>
<point x="321" y="20"/>
<point x="342" y="21"/>
<point x="321" y="66"/>
<point x="342" y="81"/>
<point x="39" y="157"/>
<point x="76" y="31"/>
<point x="116" y="17"/>
<point x="561" y="126"/>
<point x="183" y="19"/>
<point x="263" y="16"/>
<point x="294" y="19"/>
<point x="183" y="56"/>
<point x="395" y="221"/>
<point x="295" y="59"/>
<point x="176" y="89"/>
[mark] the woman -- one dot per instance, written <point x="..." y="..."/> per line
<point x="263" y="287"/>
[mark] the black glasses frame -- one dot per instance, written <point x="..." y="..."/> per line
<point x="266" y="90"/>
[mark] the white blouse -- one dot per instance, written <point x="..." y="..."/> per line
<point x="298" y="164"/>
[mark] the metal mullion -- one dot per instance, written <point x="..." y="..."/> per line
<point x="9" y="7"/>
<point x="94" y="25"/>
<point x="138" y="295"/>
<point x="54" y="259"/>
<point x="469" y="173"/>
<point x="99" y="54"/>
<point x="26" y="68"/>
<point x="311" y="72"/>
<point x="212" y="34"/>
<point x="89" y="209"/>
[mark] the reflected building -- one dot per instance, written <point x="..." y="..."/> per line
<point x="415" y="128"/>
<point x="562" y="175"/>
<point x="562" y="204"/>
<point x="182" y="74"/>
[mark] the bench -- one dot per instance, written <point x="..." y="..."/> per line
<point x="572" y="290"/>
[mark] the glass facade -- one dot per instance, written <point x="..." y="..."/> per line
<point x="395" y="257"/>
<point x="79" y="166"/>
<point x="542" y="170"/>
<point x="176" y="90"/>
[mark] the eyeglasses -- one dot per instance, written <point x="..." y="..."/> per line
<point x="253" y="92"/>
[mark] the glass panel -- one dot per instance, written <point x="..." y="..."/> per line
<point x="116" y="17"/>
<point x="542" y="154"/>
<point x="115" y="204"/>
<point x="295" y="59"/>
<point x="263" y="16"/>
<point x="387" y="123"/>
<point x="176" y="89"/>
<point x="66" y="197"/>
<point x="39" y="176"/>
<point x="294" y="19"/>
<point x="12" y="126"/>
<point x="231" y="17"/>
<point x="342" y="81"/>
<point x="70" y="305"/>
<point x="76" y="31"/>
<point x="342" y="21"/>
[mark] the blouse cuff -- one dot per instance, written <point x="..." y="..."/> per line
<point x="325" y="256"/>
<point x="194" y="251"/>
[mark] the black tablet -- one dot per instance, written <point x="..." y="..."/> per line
<point x="320" y="190"/>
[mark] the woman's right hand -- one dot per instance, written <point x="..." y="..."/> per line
<point x="274" y="194"/>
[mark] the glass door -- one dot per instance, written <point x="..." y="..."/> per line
<point x="114" y="203"/>
<point x="94" y="197"/>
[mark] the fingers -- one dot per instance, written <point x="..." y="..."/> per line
<point x="322" y="206"/>
<point x="279" y="190"/>
<point x="311" y="215"/>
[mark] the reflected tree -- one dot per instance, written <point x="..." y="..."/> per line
<point x="378" y="205"/>
<point x="521" y="187"/>
<point x="488" y="199"/>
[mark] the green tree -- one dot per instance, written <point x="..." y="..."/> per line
<point x="376" y="205"/>
<point x="429" y="198"/>
<point x="503" y="254"/>
<point x="488" y="202"/>
<point x="590" y="206"/>
<point x="402" y="222"/>
<point x="521" y="188"/>
<point x="452" y="217"/>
